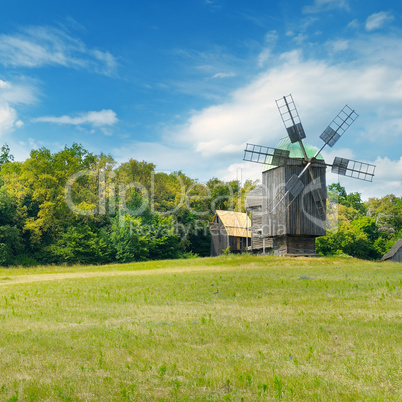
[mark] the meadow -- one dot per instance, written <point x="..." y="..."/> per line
<point x="228" y="328"/>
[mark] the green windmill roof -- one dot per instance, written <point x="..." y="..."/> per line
<point x="295" y="151"/>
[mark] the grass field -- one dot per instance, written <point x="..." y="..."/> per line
<point x="228" y="328"/>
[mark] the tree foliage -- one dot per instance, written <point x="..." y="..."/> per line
<point x="365" y="229"/>
<point x="76" y="207"/>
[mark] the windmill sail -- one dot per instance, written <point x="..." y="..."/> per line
<point x="287" y="194"/>
<point x="320" y="198"/>
<point x="290" y="118"/>
<point x="265" y="155"/>
<point x="294" y="186"/>
<point x="355" y="169"/>
<point x="338" y="126"/>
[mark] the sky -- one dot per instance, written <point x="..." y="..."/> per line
<point x="186" y="84"/>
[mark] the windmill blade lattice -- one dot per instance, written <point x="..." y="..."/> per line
<point x="355" y="169"/>
<point x="338" y="126"/>
<point x="294" y="186"/>
<point x="290" y="118"/>
<point x="265" y="155"/>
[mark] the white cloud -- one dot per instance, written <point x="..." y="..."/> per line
<point x="108" y="60"/>
<point x="241" y="171"/>
<point x="11" y="95"/>
<point x="378" y="20"/>
<point x="300" y="38"/>
<point x="224" y="75"/>
<point x="330" y="153"/>
<point x="264" y="56"/>
<point x="22" y="93"/>
<point x="92" y="118"/>
<point x="39" y="46"/>
<point x="338" y="45"/>
<point x="353" y="24"/>
<point x="8" y="118"/>
<point x="271" y="38"/>
<point x="326" y="5"/>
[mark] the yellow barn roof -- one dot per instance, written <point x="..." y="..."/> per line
<point x="235" y="223"/>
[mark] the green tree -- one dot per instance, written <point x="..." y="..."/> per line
<point x="337" y="193"/>
<point x="11" y="222"/>
<point x="80" y="244"/>
<point x="5" y="155"/>
<point x="127" y="240"/>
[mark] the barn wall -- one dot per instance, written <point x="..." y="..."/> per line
<point x="219" y="242"/>
<point x="398" y="256"/>
<point x="219" y="238"/>
<point x="237" y="244"/>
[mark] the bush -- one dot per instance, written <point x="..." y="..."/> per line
<point x="24" y="260"/>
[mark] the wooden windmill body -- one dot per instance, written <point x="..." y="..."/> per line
<point x="294" y="224"/>
<point x="289" y="210"/>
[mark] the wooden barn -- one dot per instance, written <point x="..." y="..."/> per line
<point x="395" y="253"/>
<point x="230" y="229"/>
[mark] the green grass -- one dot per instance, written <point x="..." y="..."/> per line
<point x="227" y="328"/>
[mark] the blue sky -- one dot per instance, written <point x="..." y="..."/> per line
<point x="186" y="84"/>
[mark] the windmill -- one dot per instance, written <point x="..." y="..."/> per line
<point x="291" y="208"/>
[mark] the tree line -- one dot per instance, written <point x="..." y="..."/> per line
<point x="76" y="207"/>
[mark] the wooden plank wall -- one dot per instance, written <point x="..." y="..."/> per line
<point x="256" y="231"/>
<point x="304" y="216"/>
<point x="219" y="238"/>
<point x="294" y="245"/>
<point x="398" y="256"/>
